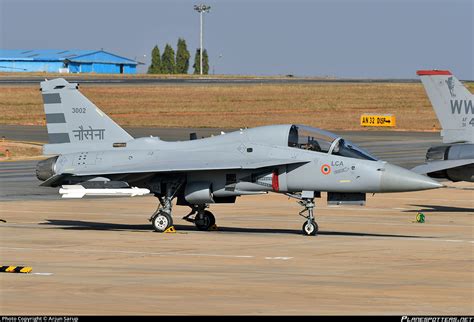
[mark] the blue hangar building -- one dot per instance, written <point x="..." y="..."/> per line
<point x="65" y="61"/>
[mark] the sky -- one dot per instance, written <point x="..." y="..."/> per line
<point x="336" y="38"/>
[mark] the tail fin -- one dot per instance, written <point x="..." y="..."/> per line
<point x="453" y="105"/>
<point x="74" y="123"/>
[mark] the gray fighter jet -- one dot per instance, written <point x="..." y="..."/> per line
<point x="454" y="107"/>
<point x="95" y="156"/>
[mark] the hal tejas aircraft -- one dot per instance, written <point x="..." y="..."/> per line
<point x="454" y="107"/>
<point x="95" y="156"/>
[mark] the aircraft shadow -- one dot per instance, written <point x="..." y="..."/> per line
<point x="90" y="225"/>
<point x="436" y="208"/>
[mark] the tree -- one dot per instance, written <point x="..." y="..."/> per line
<point x="155" y="67"/>
<point x="182" y="57"/>
<point x="168" y="65"/>
<point x="205" y="62"/>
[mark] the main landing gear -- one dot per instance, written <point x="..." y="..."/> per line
<point x="162" y="221"/>
<point x="203" y="219"/>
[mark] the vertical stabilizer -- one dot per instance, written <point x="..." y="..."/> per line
<point x="453" y="105"/>
<point x="74" y="123"/>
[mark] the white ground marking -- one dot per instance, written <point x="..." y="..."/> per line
<point x="43" y="274"/>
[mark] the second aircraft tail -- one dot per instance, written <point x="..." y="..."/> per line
<point x="453" y="105"/>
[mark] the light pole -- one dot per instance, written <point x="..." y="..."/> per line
<point x="201" y="8"/>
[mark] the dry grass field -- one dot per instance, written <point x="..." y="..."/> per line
<point x="43" y="75"/>
<point x="326" y="105"/>
<point x="12" y="150"/>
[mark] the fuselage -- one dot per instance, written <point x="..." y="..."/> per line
<point x="246" y="161"/>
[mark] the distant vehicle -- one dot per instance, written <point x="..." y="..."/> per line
<point x="95" y="156"/>
<point x="454" y="107"/>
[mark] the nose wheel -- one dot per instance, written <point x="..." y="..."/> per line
<point x="310" y="228"/>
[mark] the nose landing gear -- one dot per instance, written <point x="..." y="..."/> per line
<point x="306" y="199"/>
<point x="310" y="227"/>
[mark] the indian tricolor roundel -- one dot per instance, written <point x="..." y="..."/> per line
<point x="325" y="169"/>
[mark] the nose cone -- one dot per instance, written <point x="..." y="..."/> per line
<point x="397" y="179"/>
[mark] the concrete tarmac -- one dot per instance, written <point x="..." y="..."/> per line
<point x="99" y="256"/>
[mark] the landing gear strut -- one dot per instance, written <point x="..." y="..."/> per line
<point x="306" y="199"/>
<point x="161" y="219"/>
<point x="310" y="227"/>
<point x="203" y="219"/>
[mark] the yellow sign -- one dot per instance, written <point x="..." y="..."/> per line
<point x="377" y="120"/>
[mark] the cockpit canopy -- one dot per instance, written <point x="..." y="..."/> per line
<point x="313" y="139"/>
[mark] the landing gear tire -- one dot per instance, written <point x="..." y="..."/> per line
<point x="161" y="221"/>
<point x="310" y="228"/>
<point x="205" y="221"/>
